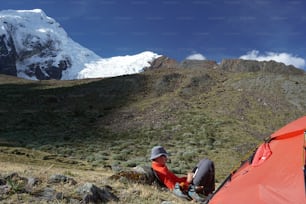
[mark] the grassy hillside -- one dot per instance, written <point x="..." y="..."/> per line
<point x="114" y="122"/>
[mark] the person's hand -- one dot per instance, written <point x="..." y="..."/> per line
<point x="190" y="177"/>
<point x="199" y="189"/>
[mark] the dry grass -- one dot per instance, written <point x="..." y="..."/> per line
<point x="127" y="192"/>
<point x="44" y="172"/>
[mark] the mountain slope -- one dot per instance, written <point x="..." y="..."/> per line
<point x="114" y="122"/>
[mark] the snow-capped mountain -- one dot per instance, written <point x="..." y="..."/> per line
<point x="35" y="46"/>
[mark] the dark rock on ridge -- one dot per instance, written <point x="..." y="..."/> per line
<point x="230" y="65"/>
<point x="239" y="65"/>
<point x="164" y="62"/>
<point x="199" y="64"/>
<point x="8" y="57"/>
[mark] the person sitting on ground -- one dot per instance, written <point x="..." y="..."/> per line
<point x="200" y="180"/>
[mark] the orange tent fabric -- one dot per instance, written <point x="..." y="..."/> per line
<point x="278" y="179"/>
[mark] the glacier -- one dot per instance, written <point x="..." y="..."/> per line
<point x="41" y="44"/>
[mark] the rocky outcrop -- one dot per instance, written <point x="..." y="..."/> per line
<point x="45" y="190"/>
<point x="163" y="62"/>
<point x="230" y="65"/>
<point x="92" y="194"/>
<point x="46" y="70"/>
<point x="166" y="62"/>
<point x="42" y="193"/>
<point x="239" y="65"/>
<point x="199" y="64"/>
<point x="8" y="56"/>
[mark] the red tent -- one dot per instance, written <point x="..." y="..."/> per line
<point x="274" y="174"/>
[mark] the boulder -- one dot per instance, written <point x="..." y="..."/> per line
<point x="58" y="178"/>
<point x="93" y="194"/>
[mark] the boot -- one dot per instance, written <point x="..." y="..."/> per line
<point x="178" y="192"/>
<point x="194" y="195"/>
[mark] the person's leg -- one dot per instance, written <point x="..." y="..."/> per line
<point x="204" y="175"/>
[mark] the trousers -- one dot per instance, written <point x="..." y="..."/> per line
<point x="204" y="175"/>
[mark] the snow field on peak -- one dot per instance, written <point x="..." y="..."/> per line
<point x="119" y="65"/>
<point x="30" y="28"/>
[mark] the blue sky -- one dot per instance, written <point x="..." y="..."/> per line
<point x="212" y="29"/>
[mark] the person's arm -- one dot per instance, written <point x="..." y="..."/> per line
<point x="169" y="178"/>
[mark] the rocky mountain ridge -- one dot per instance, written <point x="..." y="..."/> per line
<point x="231" y="65"/>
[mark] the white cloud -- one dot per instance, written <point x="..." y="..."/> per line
<point x="283" y="57"/>
<point x="196" y="56"/>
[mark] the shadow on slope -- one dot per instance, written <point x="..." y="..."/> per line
<point x="36" y="113"/>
